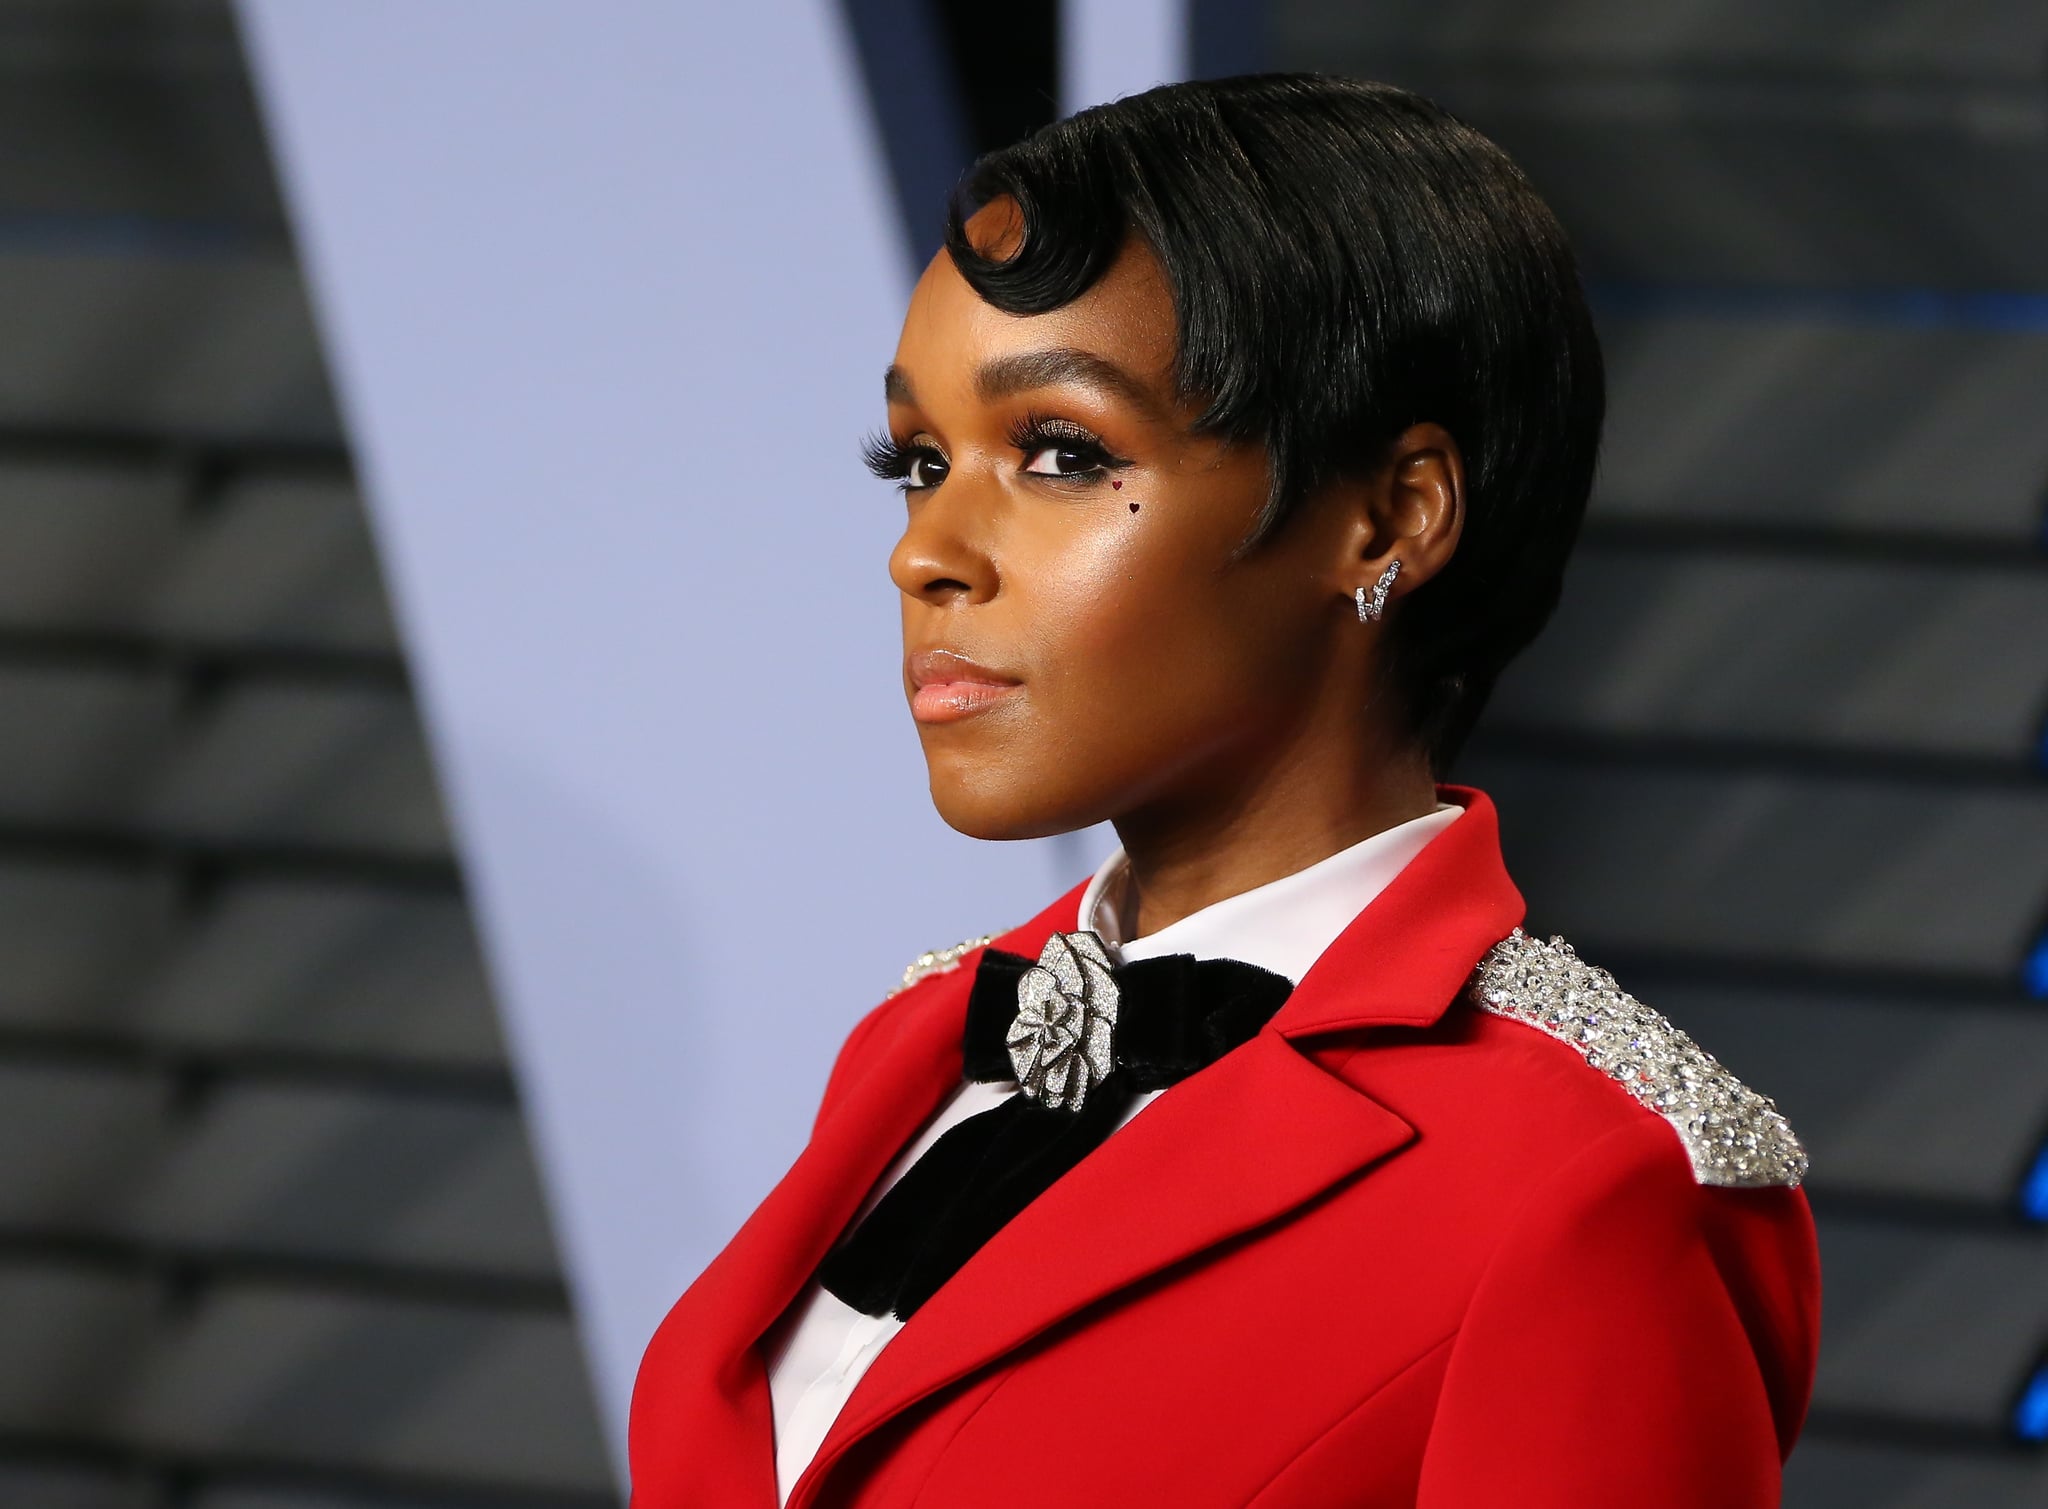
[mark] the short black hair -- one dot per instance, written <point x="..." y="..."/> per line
<point x="1346" y="259"/>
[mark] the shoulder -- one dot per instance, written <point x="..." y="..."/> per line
<point x="922" y="981"/>
<point x="1649" y="1176"/>
<point x="1617" y="1240"/>
<point x="871" y="1034"/>
<point x="1674" y="1209"/>
<point x="1733" y="1136"/>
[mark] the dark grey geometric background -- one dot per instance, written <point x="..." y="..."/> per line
<point x="270" y="1236"/>
<point x="1779" y="760"/>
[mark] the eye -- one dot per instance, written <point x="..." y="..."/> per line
<point x="923" y="468"/>
<point x="913" y="466"/>
<point x="1063" y="461"/>
<point x="1060" y="448"/>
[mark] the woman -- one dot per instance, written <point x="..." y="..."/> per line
<point x="1245" y="428"/>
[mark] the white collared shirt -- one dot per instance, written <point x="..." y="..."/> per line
<point x="821" y="1347"/>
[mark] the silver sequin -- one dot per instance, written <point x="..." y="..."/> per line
<point x="1734" y="1136"/>
<point x="939" y="961"/>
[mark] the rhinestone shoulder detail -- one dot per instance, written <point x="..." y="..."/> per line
<point x="1735" y="1137"/>
<point x="939" y="961"/>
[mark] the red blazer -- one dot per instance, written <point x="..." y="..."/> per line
<point x="1394" y="1251"/>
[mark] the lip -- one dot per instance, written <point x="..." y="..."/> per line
<point x="946" y="685"/>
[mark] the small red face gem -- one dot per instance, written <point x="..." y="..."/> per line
<point x="1114" y="482"/>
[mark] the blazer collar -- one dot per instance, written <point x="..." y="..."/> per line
<point x="1403" y="958"/>
<point x="1285" y="924"/>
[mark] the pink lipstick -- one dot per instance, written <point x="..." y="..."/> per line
<point x="945" y="685"/>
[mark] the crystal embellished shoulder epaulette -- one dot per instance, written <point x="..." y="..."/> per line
<point x="939" y="961"/>
<point x="1734" y="1136"/>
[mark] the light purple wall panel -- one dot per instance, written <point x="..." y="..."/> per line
<point x="1111" y="48"/>
<point x="607" y="290"/>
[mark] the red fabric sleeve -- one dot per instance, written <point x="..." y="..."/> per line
<point x="1636" y="1339"/>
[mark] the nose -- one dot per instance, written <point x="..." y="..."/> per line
<point x="943" y="554"/>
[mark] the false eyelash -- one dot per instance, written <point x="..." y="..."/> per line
<point x="882" y="456"/>
<point x="890" y="461"/>
<point x="1034" y="432"/>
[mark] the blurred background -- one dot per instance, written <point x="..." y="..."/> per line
<point x="426" y="422"/>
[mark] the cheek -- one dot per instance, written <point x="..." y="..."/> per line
<point x="1137" y="637"/>
<point x="1094" y="599"/>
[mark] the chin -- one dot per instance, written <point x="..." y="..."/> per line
<point x="1006" y="807"/>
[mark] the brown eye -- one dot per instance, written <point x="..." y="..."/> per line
<point x="924" y="468"/>
<point x="1063" y="461"/>
<point x="1060" y="448"/>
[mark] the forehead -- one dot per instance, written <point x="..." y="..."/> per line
<point x="1126" y="317"/>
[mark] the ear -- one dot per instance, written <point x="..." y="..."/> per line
<point x="1411" y="511"/>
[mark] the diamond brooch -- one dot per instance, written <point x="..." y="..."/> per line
<point x="1062" y="1042"/>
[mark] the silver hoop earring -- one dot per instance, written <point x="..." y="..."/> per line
<point x="1371" y="607"/>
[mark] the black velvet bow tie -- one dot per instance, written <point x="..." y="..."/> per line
<point x="1081" y="1036"/>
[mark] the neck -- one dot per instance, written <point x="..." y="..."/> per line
<point x="1180" y="861"/>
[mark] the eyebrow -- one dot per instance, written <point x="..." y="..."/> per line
<point x="1022" y="371"/>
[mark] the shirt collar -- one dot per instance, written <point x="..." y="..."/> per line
<point x="1285" y="924"/>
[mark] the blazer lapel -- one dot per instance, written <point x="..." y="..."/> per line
<point x="1258" y="1133"/>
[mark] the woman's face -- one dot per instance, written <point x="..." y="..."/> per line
<point x="1081" y="642"/>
